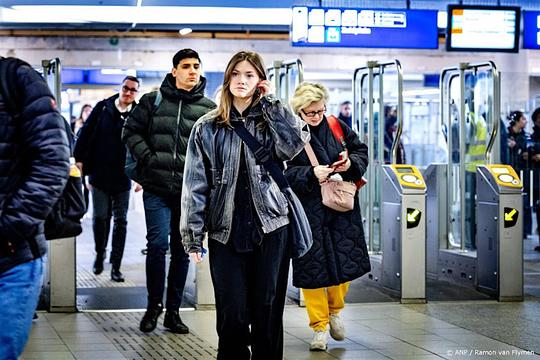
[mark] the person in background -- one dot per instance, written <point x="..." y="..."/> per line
<point x="33" y="173"/>
<point x="79" y="122"/>
<point x="390" y="120"/>
<point x="77" y="125"/>
<point x="157" y="136"/>
<point x="519" y="160"/>
<point x="339" y="252"/>
<point x="534" y="153"/>
<point x="100" y="153"/>
<point x="345" y="113"/>
<point x="233" y="197"/>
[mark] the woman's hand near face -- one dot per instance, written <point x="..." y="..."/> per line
<point x="265" y="87"/>
<point x="322" y="172"/>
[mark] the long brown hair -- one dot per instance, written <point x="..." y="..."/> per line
<point x="225" y="104"/>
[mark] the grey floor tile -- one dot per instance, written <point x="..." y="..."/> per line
<point x="361" y="354"/>
<point x="40" y="341"/>
<point x="402" y="349"/>
<point x="416" y="357"/>
<point x="305" y="354"/>
<point x="91" y="347"/>
<point x="98" y="355"/>
<point x="32" y="347"/>
<point x="412" y="338"/>
<point x="47" y="356"/>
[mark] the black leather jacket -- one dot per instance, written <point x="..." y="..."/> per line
<point x="212" y="163"/>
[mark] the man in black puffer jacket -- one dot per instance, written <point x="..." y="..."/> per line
<point x="34" y="168"/>
<point x="157" y="133"/>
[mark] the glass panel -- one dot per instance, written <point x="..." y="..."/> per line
<point x="454" y="117"/>
<point x="378" y="160"/>
<point x="360" y="116"/>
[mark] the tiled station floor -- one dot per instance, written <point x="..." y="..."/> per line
<point x="462" y="330"/>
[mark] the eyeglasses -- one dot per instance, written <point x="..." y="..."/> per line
<point x="314" y="113"/>
<point x="128" y="89"/>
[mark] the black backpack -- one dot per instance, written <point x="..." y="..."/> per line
<point x="64" y="219"/>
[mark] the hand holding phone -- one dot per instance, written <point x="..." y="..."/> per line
<point x="338" y="163"/>
<point x="341" y="160"/>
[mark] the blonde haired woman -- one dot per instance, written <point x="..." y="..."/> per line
<point x="231" y="195"/>
<point x="339" y="253"/>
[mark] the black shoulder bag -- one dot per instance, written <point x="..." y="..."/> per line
<point x="300" y="237"/>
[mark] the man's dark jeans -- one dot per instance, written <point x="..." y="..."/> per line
<point x="106" y="206"/>
<point x="163" y="219"/>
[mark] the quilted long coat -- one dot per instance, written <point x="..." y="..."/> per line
<point x="339" y="253"/>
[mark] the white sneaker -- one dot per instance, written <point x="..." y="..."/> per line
<point x="319" y="341"/>
<point x="337" y="329"/>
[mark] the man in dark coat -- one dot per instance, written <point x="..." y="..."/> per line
<point x="157" y="136"/>
<point x="345" y="112"/>
<point x="34" y="168"/>
<point x="102" y="155"/>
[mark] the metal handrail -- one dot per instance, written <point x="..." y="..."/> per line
<point x="53" y="66"/>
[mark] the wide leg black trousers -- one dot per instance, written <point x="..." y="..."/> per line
<point x="250" y="290"/>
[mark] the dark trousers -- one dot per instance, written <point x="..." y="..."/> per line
<point x="105" y="207"/>
<point x="163" y="219"/>
<point x="250" y="289"/>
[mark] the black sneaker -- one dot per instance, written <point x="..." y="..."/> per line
<point x="117" y="276"/>
<point x="150" y="318"/>
<point x="174" y="323"/>
<point x="98" y="266"/>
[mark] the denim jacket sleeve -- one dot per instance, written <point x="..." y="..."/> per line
<point x="195" y="191"/>
<point x="289" y="132"/>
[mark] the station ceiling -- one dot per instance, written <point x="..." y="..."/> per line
<point x="210" y="15"/>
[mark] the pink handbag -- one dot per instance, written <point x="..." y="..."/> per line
<point x="336" y="194"/>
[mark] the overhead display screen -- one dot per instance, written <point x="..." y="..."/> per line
<point x="336" y="27"/>
<point x="482" y="28"/>
<point x="531" y="29"/>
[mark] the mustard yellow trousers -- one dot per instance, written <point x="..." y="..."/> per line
<point x="323" y="302"/>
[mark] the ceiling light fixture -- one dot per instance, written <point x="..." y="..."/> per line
<point x="185" y="31"/>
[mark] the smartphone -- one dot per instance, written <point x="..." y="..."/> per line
<point x="340" y="162"/>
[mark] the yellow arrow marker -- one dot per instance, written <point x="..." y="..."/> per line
<point x="510" y="215"/>
<point x="412" y="216"/>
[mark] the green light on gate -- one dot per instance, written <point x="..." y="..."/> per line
<point x="413" y="217"/>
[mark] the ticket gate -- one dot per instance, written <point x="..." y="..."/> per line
<point x="500" y="228"/>
<point x="403" y="224"/>
<point x="59" y="284"/>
